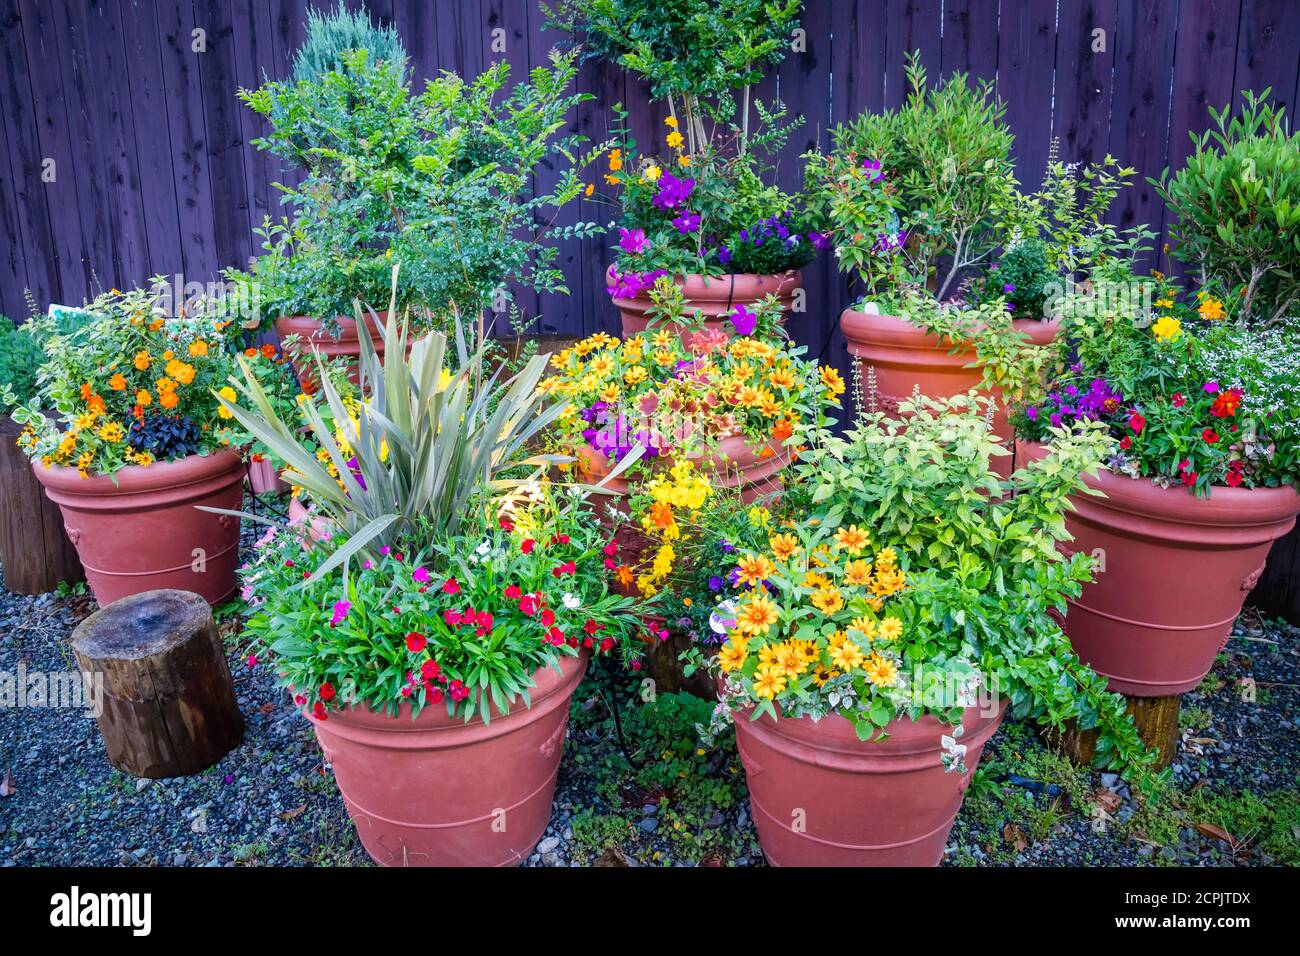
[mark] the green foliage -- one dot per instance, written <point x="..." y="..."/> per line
<point x="1237" y="202"/>
<point x="1020" y="278"/>
<point x="440" y="182"/>
<point x="331" y="35"/>
<point x="980" y="554"/>
<point x="20" y="357"/>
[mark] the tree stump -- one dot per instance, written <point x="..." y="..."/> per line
<point x="34" y="549"/>
<point x="1156" y="719"/>
<point x="168" y="702"/>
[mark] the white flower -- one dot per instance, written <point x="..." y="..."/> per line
<point x="571" y="602"/>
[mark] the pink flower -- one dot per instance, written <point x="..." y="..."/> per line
<point x="420" y="575"/>
<point x="451" y="586"/>
<point x="252" y="660"/>
<point x="341" y="609"/>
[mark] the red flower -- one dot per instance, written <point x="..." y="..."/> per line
<point x="327" y="691"/>
<point x="299" y="699"/>
<point x="1179" y="400"/>
<point x="1126" y="443"/>
<point x="548" y="617"/>
<point x="1234" y="478"/>
<point x="318" y="711"/>
<point x="610" y="549"/>
<point x="606" y="644"/>
<point x="415" y="642"/>
<point x="1210" y="436"/>
<point x="1226" y="403"/>
<point x="435" y="694"/>
<point x="528" y="605"/>
<point x="452" y="618"/>
<point x="1189" y="478"/>
<point x="430" y="670"/>
<point x="635" y="665"/>
<point x="450" y="586"/>
<point x="507" y="524"/>
<point x="1137" y="423"/>
<point x="457" y="690"/>
<point x="527" y="545"/>
<point x="513" y="592"/>
<point x="566" y="567"/>
<point x="555" y="636"/>
<point x="1184" y="464"/>
<point x="591" y="627"/>
<point x="406" y="691"/>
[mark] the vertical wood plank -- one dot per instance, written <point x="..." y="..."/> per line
<point x="910" y="25"/>
<point x="1083" y="78"/>
<point x="1026" y="71"/>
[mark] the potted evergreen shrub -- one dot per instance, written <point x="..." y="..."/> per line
<point x="439" y="181"/>
<point x="959" y="273"/>
<point x="435" y="607"/>
<point x="138" y="442"/>
<point x="700" y="212"/>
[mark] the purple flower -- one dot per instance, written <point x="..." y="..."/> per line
<point x="354" y="466"/>
<point x="818" y="240"/>
<point x="1055" y="419"/>
<point x="744" y="320"/>
<point x="341" y="609"/>
<point x="1031" y="413"/>
<point x="367" y="564"/>
<point x="385" y="550"/>
<point x="872" y="166"/>
<point x="686" y="222"/>
<point x="724" y="255"/>
<point x="673" y="192"/>
<point x="715" y="583"/>
<point x="632" y="240"/>
<point x="420" y="576"/>
<point x="628" y="285"/>
<point x="1009" y="288"/>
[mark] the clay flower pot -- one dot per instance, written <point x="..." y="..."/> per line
<point x="905" y="357"/>
<point x="822" y="797"/>
<point x="314" y="337"/>
<point x="1174" y="572"/>
<point x="440" y="791"/>
<point x="264" y="478"/>
<point x="714" y="296"/>
<point x="141" y="530"/>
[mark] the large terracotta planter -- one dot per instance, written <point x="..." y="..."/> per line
<point x="35" y="552"/>
<point x="1175" y="571"/>
<point x="822" y="797"/>
<point x="905" y="358"/>
<point x="314" y="338"/>
<point x="438" y="791"/>
<point x="141" y="529"/>
<point x="713" y="296"/>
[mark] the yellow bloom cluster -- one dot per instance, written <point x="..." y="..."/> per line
<point x="658" y="505"/>
<point x="778" y="646"/>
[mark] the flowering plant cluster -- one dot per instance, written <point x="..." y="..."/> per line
<point x="681" y="400"/>
<point x="818" y="626"/>
<point x="132" y="385"/>
<point x="1191" y="397"/>
<point x="703" y="210"/>
<point x="464" y="621"/>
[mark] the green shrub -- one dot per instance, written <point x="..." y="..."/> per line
<point x="20" y="357"/>
<point x="330" y="35"/>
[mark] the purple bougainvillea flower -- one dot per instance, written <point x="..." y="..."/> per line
<point x="744" y="320"/>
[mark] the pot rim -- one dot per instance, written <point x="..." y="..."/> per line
<point x="1230" y="507"/>
<point x="707" y="288"/>
<point x="554" y="687"/>
<point x="134" y="479"/>
<point x="895" y="330"/>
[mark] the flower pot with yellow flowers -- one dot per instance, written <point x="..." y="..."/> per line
<point x="888" y="616"/>
<point x="140" y="443"/>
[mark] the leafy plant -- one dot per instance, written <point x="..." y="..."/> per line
<point x="1237" y="202"/>
<point x="331" y="35"/>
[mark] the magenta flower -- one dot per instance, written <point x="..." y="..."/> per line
<point x="744" y="320"/>
<point x="420" y="576"/>
<point x="687" y="222"/>
<point x="1211" y="387"/>
<point x="633" y="241"/>
<point x="341" y="609"/>
<point x="673" y="193"/>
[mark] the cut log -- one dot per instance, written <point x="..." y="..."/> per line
<point x="34" y="549"/>
<point x="168" y="701"/>
<point x="1156" y="719"/>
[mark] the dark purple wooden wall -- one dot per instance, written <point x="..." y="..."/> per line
<point x="153" y="172"/>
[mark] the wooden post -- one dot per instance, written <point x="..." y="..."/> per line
<point x="1156" y="719"/>
<point x="34" y="549"/>
<point x="168" y="702"/>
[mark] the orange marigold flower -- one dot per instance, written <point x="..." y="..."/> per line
<point x="268" y="350"/>
<point x="118" y="382"/>
<point x="142" y="360"/>
<point x="143" y="398"/>
<point x="198" y="348"/>
<point x="168" y="400"/>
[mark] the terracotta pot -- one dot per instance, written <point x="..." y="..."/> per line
<point x="34" y="549"/>
<point x="438" y="791"/>
<point x="1176" y="571"/>
<point x="714" y="296"/>
<point x="822" y="797"/>
<point x="906" y="357"/>
<point x="314" y="337"/>
<point x="141" y="530"/>
<point x="264" y="478"/>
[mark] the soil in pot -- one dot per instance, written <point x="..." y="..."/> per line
<point x="440" y="791"/>
<point x="713" y="296"/>
<point x="141" y="530"/>
<point x="822" y="797"/>
<point x="1173" y="573"/>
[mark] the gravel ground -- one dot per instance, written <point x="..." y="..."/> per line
<point x="1232" y="795"/>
